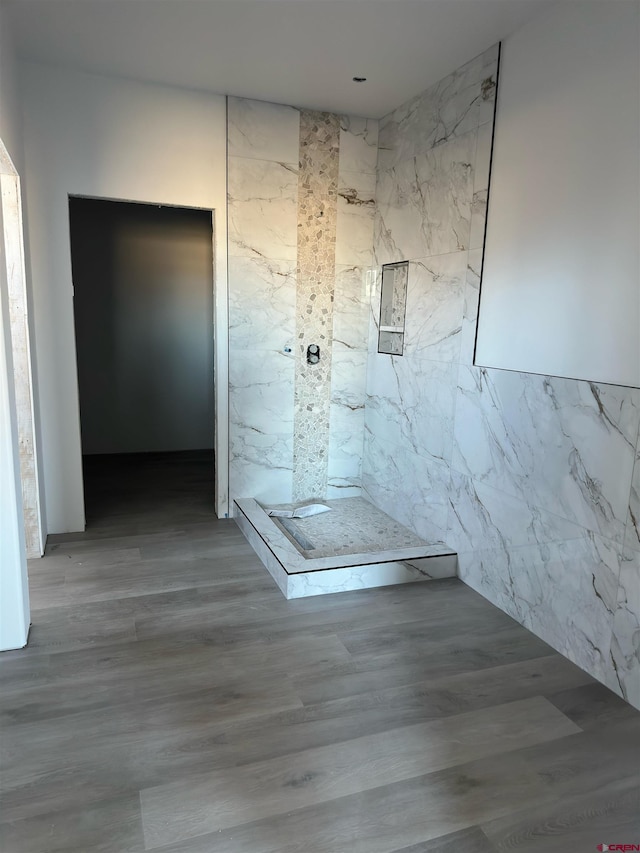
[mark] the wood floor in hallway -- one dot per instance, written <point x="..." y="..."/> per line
<point x="170" y="699"/>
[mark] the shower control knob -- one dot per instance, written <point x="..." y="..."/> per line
<point x="313" y="354"/>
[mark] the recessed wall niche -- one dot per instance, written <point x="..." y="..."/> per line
<point x="393" y="306"/>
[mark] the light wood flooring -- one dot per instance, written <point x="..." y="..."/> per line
<point x="170" y="699"/>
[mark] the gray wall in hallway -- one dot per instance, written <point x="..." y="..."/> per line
<point x="143" y="307"/>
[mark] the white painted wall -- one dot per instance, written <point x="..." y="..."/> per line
<point x="110" y="138"/>
<point x="561" y="281"/>
<point x="10" y="118"/>
<point x="143" y="301"/>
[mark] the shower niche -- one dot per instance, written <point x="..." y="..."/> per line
<point x="393" y="307"/>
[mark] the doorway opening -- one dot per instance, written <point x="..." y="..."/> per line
<point x="143" y="312"/>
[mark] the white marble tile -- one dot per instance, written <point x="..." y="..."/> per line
<point x="261" y="424"/>
<point x="375" y="284"/>
<point x="267" y="558"/>
<point x="483" y="158"/>
<point x="346" y="423"/>
<point x="261" y="389"/>
<point x="367" y="577"/>
<point x="488" y="94"/>
<point x="263" y="208"/>
<point x="470" y="306"/>
<point x="262" y="303"/>
<point x="566" y="446"/>
<point x="424" y="203"/>
<point x="450" y="108"/>
<point x="256" y="476"/>
<point x="435" y="302"/>
<point x="411" y="402"/>
<point x="483" y="518"/>
<point x="538" y="504"/>
<point x="540" y="586"/>
<point x="349" y="378"/>
<point x="346" y="440"/>
<point x="408" y="487"/>
<point x="340" y="487"/>
<point x="625" y="642"/>
<point x="350" y="309"/>
<point x="632" y="533"/>
<point x="358" y="144"/>
<point x="354" y="226"/>
<point x="263" y="131"/>
<point x="480" y="185"/>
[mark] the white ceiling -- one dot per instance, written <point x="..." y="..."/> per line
<point x="300" y="52"/>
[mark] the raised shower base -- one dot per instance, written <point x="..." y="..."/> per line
<point x="355" y="546"/>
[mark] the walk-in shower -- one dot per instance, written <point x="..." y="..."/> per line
<point x="353" y="546"/>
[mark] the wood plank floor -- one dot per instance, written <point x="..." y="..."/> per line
<point x="170" y="699"/>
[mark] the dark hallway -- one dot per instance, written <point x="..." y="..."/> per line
<point x="143" y="308"/>
<point x="145" y="492"/>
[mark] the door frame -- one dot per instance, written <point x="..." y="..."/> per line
<point x="13" y="244"/>
<point x="220" y="329"/>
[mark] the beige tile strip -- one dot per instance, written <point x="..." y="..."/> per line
<point x="317" y="213"/>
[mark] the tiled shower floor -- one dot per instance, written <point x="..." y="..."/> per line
<point x="353" y="526"/>
<point x="354" y="546"/>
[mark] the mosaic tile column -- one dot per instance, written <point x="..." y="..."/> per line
<point x="317" y="214"/>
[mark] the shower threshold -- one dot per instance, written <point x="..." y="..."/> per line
<point x="354" y="546"/>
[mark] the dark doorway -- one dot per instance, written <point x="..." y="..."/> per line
<point x="143" y="308"/>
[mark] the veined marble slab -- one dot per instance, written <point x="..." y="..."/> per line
<point x="409" y="487"/>
<point x="470" y="306"/>
<point x="298" y="577"/>
<point x="565" y="445"/>
<point x="261" y="423"/>
<point x="356" y="209"/>
<point x="263" y="131"/>
<point x="358" y="144"/>
<point x="350" y="309"/>
<point x="346" y="436"/>
<point x="411" y="402"/>
<point x="562" y="591"/>
<point x="480" y="185"/>
<point x="632" y="532"/>
<point x="625" y="652"/>
<point x="263" y="208"/>
<point x="262" y="303"/>
<point x="450" y="108"/>
<point x="424" y="203"/>
<point x="435" y="305"/>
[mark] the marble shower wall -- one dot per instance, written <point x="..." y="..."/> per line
<point x="263" y="143"/>
<point x="353" y="282"/>
<point x="528" y="477"/>
<point x="295" y="429"/>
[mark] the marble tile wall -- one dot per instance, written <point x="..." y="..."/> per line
<point x="533" y="480"/>
<point x="354" y="279"/>
<point x="263" y="143"/>
<point x="295" y="431"/>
